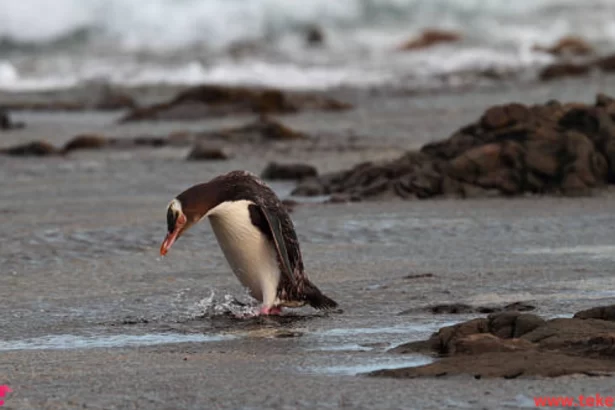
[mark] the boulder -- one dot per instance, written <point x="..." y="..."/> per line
<point x="569" y="45"/>
<point x="208" y="101"/>
<point x="86" y="141"/>
<point x="512" y="149"/>
<point x="429" y="38"/>
<point x="276" y="171"/>
<point x="31" y="149"/>
<point x="204" y="152"/>
<point x="514" y="344"/>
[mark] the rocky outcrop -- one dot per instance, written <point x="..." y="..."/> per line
<point x="514" y="344"/>
<point x="429" y="38"/>
<point x="204" y="152"/>
<point x="262" y="130"/>
<point x="7" y="124"/>
<point x="276" y="171"/>
<point x="31" y="149"/>
<point x="569" y="45"/>
<point x="512" y="149"/>
<point x="463" y="308"/>
<point x="561" y="69"/>
<point x="208" y="101"/>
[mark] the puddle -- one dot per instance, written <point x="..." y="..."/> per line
<point x="61" y="342"/>
<point x="408" y="329"/>
<point x="366" y="366"/>
<point x="594" y="251"/>
<point x="352" y="347"/>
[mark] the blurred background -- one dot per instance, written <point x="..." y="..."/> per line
<point x="314" y="44"/>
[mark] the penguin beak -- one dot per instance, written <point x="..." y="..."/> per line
<point x="169" y="240"/>
<point x="172" y="235"/>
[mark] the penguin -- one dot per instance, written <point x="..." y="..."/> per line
<point x="256" y="236"/>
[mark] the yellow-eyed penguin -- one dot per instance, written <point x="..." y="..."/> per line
<point x="256" y="236"/>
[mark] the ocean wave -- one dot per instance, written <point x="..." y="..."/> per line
<point x="176" y="23"/>
<point x="263" y="42"/>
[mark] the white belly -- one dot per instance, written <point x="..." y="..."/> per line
<point x="247" y="250"/>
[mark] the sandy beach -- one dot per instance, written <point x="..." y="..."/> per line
<point x="94" y="318"/>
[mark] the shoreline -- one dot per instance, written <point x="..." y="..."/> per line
<point x="80" y="233"/>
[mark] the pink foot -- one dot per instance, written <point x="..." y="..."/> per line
<point x="272" y="310"/>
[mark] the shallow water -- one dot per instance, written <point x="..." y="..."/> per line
<point x="368" y="365"/>
<point x="68" y="342"/>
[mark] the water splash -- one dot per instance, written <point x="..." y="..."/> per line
<point x="227" y="305"/>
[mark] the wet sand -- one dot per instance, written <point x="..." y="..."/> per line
<point x="92" y="316"/>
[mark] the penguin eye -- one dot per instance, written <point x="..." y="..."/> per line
<point x="171" y="219"/>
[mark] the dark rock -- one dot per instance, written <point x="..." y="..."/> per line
<point x="7" y="124"/>
<point x="263" y="130"/>
<point x="429" y="38"/>
<point x="290" y="204"/>
<point x="86" y="141"/>
<point x="314" y="36"/>
<point x="154" y="142"/>
<point x="110" y="99"/>
<point x="606" y="63"/>
<point x="511" y="150"/>
<point x="569" y="45"/>
<point x="202" y="152"/>
<point x="513" y="324"/>
<point x="453" y="308"/>
<point x="487" y="343"/>
<point x="600" y="312"/>
<point x="208" y="101"/>
<point x="419" y="276"/>
<point x="461" y="308"/>
<point x="571" y="334"/>
<point x="31" y="149"/>
<point x="309" y="187"/>
<point x="505" y="364"/>
<point x="514" y="344"/>
<point x="559" y="70"/>
<point x="276" y="171"/>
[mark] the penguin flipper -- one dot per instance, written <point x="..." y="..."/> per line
<point x="274" y="226"/>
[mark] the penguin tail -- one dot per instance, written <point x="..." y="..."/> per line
<point x="317" y="299"/>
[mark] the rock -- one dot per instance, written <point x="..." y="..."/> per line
<point x="260" y="131"/>
<point x="606" y="63"/>
<point x="86" y="141"/>
<point x="600" y="312"/>
<point x="276" y="171"/>
<point x="110" y="99"/>
<point x="569" y="334"/>
<point x="309" y="187"/>
<point x="154" y="142"/>
<point x="419" y="276"/>
<point x="31" y="149"/>
<point x="429" y="38"/>
<point x="559" y="70"/>
<point x="511" y="150"/>
<point x="505" y="364"/>
<point x="569" y="45"/>
<point x="454" y="308"/>
<point x="208" y="101"/>
<point x="513" y="344"/>
<point x="7" y="124"/>
<point x="202" y="152"/>
<point x="487" y="343"/>
<point x="290" y="204"/>
<point x="499" y="345"/>
<point x="462" y="308"/>
<point x="314" y="36"/>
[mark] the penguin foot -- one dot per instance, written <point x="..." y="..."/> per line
<point x="270" y="310"/>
